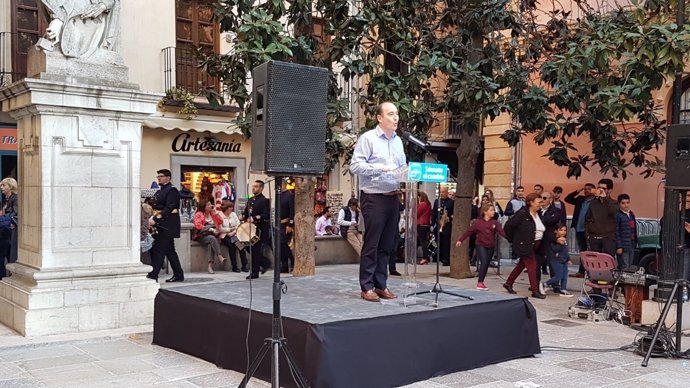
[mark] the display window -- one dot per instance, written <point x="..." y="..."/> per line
<point x="203" y="183"/>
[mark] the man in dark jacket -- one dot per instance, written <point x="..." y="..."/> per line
<point x="600" y="221"/>
<point x="550" y="216"/>
<point x="442" y="217"/>
<point x="258" y="212"/>
<point x="581" y="199"/>
<point x="166" y="224"/>
<point x="287" y="225"/>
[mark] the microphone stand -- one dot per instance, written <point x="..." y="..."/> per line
<point x="437" y="288"/>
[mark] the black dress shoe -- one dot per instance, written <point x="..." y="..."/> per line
<point x="538" y="295"/>
<point x="395" y="273"/>
<point x="175" y="278"/>
<point x="149" y="276"/>
<point x="263" y="270"/>
<point x="235" y="270"/>
<point x="244" y="269"/>
<point x="509" y="288"/>
<point x="252" y="277"/>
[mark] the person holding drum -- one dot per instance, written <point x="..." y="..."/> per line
<point x="228" y="236"/>
<point x="258" y="212"/>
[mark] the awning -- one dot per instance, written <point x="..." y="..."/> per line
<point x="213" y="124"/>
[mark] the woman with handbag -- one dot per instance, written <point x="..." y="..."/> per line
<point x="228" y="236"/>
<point x="207" y="223"/>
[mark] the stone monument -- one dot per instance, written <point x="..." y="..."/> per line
<point x="79" y="123"/>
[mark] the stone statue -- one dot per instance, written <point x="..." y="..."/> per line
<point x="82" y="28"/>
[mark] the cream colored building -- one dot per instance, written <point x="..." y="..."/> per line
<point x="158" y="52"/>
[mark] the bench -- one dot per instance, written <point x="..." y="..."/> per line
<point x="193" y="256"/>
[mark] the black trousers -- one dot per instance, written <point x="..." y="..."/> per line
<point x="232" y="249"/>
<point x="423" y="239"/>
<point x="581" y="239"/>
<point x="603" y="245"/>
<point x="259" y="261"/>
<point x="444" y="254"/>
<point x="287" y="260"/>
<point x="5" y="246"/>
<point x="165" y="247"/>
<point x="381" y="215"/>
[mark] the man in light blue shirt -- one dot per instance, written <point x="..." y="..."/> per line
<point x="378" y="160"/>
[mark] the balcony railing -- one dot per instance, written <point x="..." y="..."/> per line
<point x="180" y="69"/>
<point x="13" y="56"/>
<point x="449" y="128"/>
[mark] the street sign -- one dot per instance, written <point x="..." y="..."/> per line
<point x="427" y="172"/>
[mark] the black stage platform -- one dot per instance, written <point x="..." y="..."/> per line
<point x="340" y="340"/>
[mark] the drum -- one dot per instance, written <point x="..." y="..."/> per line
<point x="248" y="233"/>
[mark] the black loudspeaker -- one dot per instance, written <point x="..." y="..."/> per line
<point x="289" y="108"/>
<point x="678" y="157"/>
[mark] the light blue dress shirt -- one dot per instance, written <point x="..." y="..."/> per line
<point x="374" y="153"/>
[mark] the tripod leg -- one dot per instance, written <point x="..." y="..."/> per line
<point x="255" y="363"/>
<point x="292" y="364"/>
<point x="660" y="323"/>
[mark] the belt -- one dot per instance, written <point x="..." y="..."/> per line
<point x="597" y="237"/>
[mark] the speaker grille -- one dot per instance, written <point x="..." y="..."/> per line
<point x="295" y="119"/>
<point x="678" y="157"/>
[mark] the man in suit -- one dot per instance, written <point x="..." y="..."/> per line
<point x="287" y="226"/>
<point x="166" y="223"/>
<point x="258" y="212"/>
<point x="443" y="205"/>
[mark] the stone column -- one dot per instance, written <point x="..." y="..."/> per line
<point x="79" y="161"/>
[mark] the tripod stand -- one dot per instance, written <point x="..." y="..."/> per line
<point x="276" y="342"/>
<point x="437" y="289"/>
<point x="660" y="324"/>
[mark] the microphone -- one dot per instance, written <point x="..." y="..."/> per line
<point x="409" y="137"/>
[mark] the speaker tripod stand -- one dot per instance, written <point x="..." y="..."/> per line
<point x="277" y="342"/>
<point x="677" y="296"/>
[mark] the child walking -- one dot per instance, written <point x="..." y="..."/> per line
<point x="557" y="254"/>
<point x="485" y="228"/>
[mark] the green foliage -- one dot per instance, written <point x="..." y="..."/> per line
<point x="557" y="75"/>
<point x="180" y="95"/>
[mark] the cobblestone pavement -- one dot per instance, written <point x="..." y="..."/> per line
<point x="128" y="359"/>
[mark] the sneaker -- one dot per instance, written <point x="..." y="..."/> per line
<point x="565" y="294"/>
<point x="542" y="288"/>
<point x="482" y="287"/>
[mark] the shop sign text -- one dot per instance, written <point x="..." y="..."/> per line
<point x="184" y="143"/>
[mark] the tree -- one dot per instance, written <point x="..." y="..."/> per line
<point x="556" y="75"/>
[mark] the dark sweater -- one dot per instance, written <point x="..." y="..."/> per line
<point x="600" y="220"/>
<point x="485" y="231"/>
<point x="558" y="253"/>
<point x="626" y="231"/>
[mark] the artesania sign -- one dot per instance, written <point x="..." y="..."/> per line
<point x="185" y="143"/>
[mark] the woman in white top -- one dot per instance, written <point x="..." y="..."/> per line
<point x="228" y="231"/>
<point x="525" y="232"/>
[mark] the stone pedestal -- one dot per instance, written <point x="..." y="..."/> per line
<point x="78" y="172"/>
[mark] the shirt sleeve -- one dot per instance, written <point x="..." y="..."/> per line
<point x="359" y="164"/>
<point x="341" y="219"/>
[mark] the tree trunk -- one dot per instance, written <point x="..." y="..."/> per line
<point x="305" y="264"/>
<point x="467" y="153"/>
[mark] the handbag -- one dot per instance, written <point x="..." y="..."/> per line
<point x="147" y="243"/>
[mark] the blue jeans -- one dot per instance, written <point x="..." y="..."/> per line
<point x="625" y="259"/>
<point x="560" y="276"/>
<point x="484" y="256"/>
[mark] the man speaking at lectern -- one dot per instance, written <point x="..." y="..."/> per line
<point x="378" y="159"/>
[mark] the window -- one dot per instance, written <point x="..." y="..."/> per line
<point x="28" y="24"/>
<point x="317" y="29"/>
<point x="194" y="28"/>
<point x="684" y="106"/>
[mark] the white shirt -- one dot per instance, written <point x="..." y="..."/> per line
<point x="321" y="224"/>
<point x="373" y="154"/>
<point x="230" y="224"/>
<point x="539" y="232"/>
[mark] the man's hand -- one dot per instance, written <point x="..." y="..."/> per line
<point x="152" y="222"/>
<point x="353" y="223"/>
<point x="94" y="11"/>
<point x="687" y="227"/>
<point x="250" y="220"/>
<point x="619" y="251"/>
<point x="458" y="244"/>
<point x="289" y="230"/>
